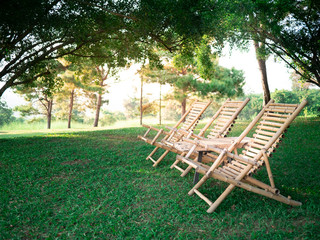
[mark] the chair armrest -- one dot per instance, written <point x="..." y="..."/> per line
<point x="219" y="151"/>
<point x="155" y="129"/>
<point x="189" y="134"/>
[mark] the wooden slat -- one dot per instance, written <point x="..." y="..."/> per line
<point x="232" y="104"/>
<point x="256" y="145"/>
<point x="222" y="120"/>
<point x="226" y="113"/>
<point x="265" y="132"/>
<point x="251" y="149"/>
<point x="224" y="117"/>
<point x="179" y="168"/>
<point x="255" y="140"/>
<point x="271" y="123"/>
<point x="242" y="155"/>
<point x="229" y="109"/>
<point x="224" y="172"/>
<point x="278" y="115"/>
<point x="231" y="170"/>
<point x="262" y="137"/>
<point x="280" y="110"/>
<point x="221" y="124"/>
<point x="238" y="164"/>
<point x="284" y="104"/>
<point x="247" y="153"/>
<point x="277" y="119"/>
<point x="268" y="128"/>
<point x="234" y="167"/>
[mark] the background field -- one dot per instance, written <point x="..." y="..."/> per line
<point x="97" y="184"/>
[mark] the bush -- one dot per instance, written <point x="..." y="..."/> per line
<point x="6" y="114"/>
<point x="253" y="107"/>
<point x="312" y="95"/>
<point x="107" y="120"/>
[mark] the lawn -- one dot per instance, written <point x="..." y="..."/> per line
<point x="97" y="184"/>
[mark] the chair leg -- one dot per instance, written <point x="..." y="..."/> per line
<point x="202" y="181"/>
<point x="221" y="198"/>
<point x="188" y="169"/>
<point x="153" y="152"/>
<point x="160" y="158"/>
<point x="175" y="163"/>
<point x="228" y="190"/>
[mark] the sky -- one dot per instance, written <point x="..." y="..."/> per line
<point x="129" y="84"/>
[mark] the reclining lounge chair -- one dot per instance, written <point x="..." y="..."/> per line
<point x="187" y="122"/>
<point x="224" y="117"/>
<point x="271" y="122"/>
<point x="220" y="125"/>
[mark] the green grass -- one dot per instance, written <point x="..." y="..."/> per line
<point x="97" y="184"/>
<point x="18" y="129"/>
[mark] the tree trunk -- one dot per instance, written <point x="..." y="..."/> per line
<point x="96" y="119"/>
<point x="263" y="70"/>
<point x="104" y="76"/>
<point x="141" y="100"/>
<point x="70" y="108"/>
<point x="183" y="106"/>
<point x="49" y="112"/>
<point x="160" y="107"/>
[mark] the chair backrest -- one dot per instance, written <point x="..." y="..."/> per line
<point x="192" y="116"/>
<point x="224" y="118"/>
<point x="273" y="120"/>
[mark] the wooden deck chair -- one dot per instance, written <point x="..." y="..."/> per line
<point x="220" y="124"/>
<point x="225" y="118"/>
<point x="187" y="122"/>
<point x="272" y="122"/>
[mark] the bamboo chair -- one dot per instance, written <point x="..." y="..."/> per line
<point x="224" y="119"/>
<point x="273" y="120"/>
<point x="222" y="122"/>
<point x="187" y="123"/>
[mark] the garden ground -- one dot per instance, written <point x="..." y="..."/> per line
<point x="97" y="184"/>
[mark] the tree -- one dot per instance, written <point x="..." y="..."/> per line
<point x="196" y="71"/>
<point x="41" y="31"/>
<point x="104" y="73"/>
<point x="6" y="114"/>
<point x="66" y="97"/>
<point x="42" y="90"/>
<point x="288" y="29"/>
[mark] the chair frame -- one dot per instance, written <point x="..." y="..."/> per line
<point x="248" y="161"/>
<point x="189" y="121"/>
<point x="220" y="130"/>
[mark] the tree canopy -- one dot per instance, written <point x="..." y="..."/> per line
<point x="289" y="29"/>
<point x="44" y="30"/>
<point x="41" y="31"/>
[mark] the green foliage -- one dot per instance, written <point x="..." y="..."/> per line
<point x="27" y="110"/>
<point x="312" y="109"/>
<point x="45" y="30"/>
<point x="132" y="107"/>
<point x="171" y="111"/>
<point x="288" y="29"/>
<point x="312" y="96"/>
<point x="253" y="107"/>
<point x="107" y="119"/>
<point x="110" y="118"/>
<point x="195" y="71"/>
<point x="6" y="114"/>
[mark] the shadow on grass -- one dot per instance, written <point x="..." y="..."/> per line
<point x="98" y="185"/>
